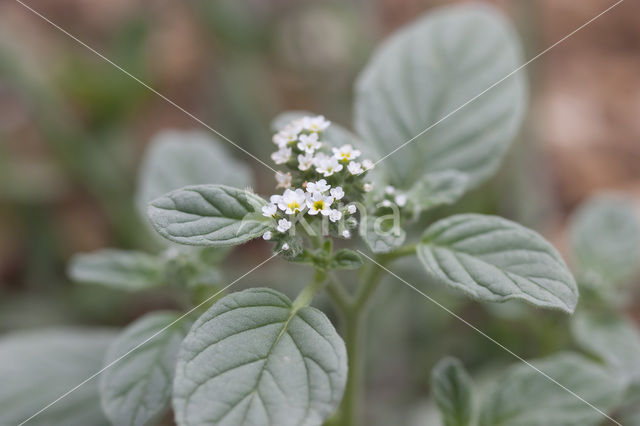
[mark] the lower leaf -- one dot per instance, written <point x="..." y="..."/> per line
<point x="137" y="388"/>
<point x="252" y="360"/>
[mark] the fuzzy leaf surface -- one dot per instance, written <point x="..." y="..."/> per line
<point x="426" y="71"/>
<point x="209" y="215"/>
<point x="493" y="259"/>
<point x="251" y="360"/>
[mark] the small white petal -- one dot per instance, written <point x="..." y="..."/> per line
<point x="401" y="200"/>
<point x="335" y="215"/>
<point x="283" y="179"/>
<point x="266" y="236"/>
<point x="367" y="164"/>
<point x="337" y="192"/>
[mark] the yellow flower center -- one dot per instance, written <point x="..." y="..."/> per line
<point x="346" y="155"/>
<point x="318" y="205"/>
<point x="293" y="206"/>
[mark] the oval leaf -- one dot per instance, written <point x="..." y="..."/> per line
<point x="494" y="259"/>
<point x="451" y="388"/>
<point x="605" y="237"/>
<point x="137" y="388"/>
<point x="381" y="233"/>
<point x="250" y="359"/>
<point x="428" y="70"/>
<point x="209" y="215"/>
<point x="37" y="367"/>
<point x="524" y="397"/>
<point x="437" y="189"/>
<point x="176" y="159"/>
<point x="121" y="269"/>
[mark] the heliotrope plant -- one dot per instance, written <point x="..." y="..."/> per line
<point x="256" y="357"/>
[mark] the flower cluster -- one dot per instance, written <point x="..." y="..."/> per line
<point x="320" y="180"/>
<point x="301" y="150"/>
<point x="319" y="198"/>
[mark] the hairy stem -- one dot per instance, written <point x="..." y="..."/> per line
<point x="353" y="310"/>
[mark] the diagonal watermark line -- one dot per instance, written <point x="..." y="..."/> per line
<point x="563" y="39"/>
<point x="145" y="85"/>
<point x="473" y="327"/>
<point x="138" y="346"/>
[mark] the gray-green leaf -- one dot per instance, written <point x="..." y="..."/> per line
<point x="209" y="215"/>
<point x="452" y="390"/>
<point x="176" y="159"/>
<point x="428" y="70"/>
<point x="251" y="360"/>
<point x="121" y="269"/>
<point x="382" y="233"/>
<point x="605" y="237"/>
<point x="137" y="388"/>
<point x="437" y="189"/>
<point x="37" y="367"/>
<point x="611" y="337"/>
<point x="494" y="259"/>
<point x="524" y="397"/>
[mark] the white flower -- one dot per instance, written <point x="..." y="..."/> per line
<point x="337" y="192"/>
<point x="285" y="247"/>
<point x="385" y="203"/>
<point x="281" y="156"/>
<point x="284" y="180"/>
<point x="327" y="166"/>
<point x="346" y="233"/>
<point x="275" y="199"/>
<point x="269" y="210"/>
<point x="314" y="124"/>
<point x="345" y="152"/>
<point x="292" y="201"/>
<point x="367" y="187"/>
<point x="305" y="162"/>
<point x="355" y="168"/>
<point x="319" y="158"/>
<point x="309" y="143"/>
<point x="351" y="208"/>
<point x="266" y="236"/>
<point x="389" y="190"/>
<point x="335" y="215"/>
<point x="319" y="203"/>
<point x="319" y="186"/>
<point x="283" y="225"/>
<point x="287" y="135"/>
<point x="401" y="200"/>
<point x="368" y="164"/>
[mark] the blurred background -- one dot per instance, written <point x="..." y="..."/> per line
<point x="73" y="130"/>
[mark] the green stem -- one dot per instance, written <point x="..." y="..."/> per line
<point x="306" y="295"/>
<point x="353" y="310"/>
<point x="353" y="393"/>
